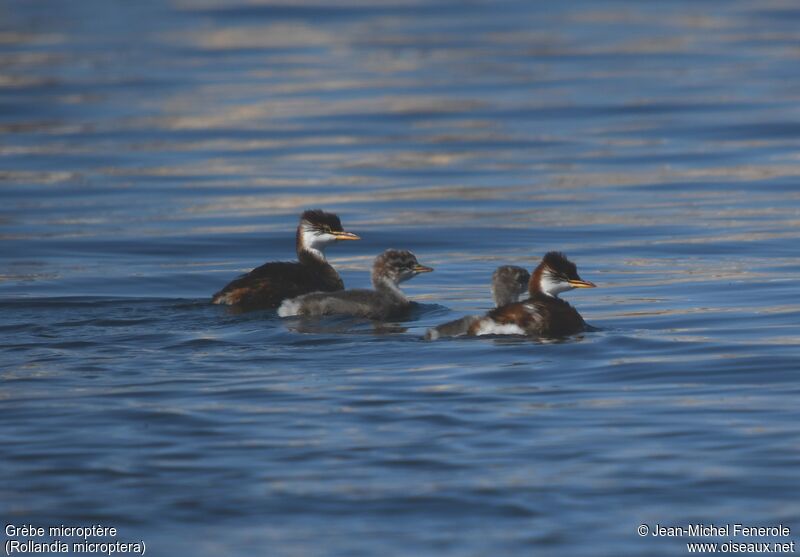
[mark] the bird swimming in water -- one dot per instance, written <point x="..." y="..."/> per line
<point x="543" y="314"/>
<point x="268" y="285"/>
<point x="509" y="282"/>
<point x="386" y="301"/>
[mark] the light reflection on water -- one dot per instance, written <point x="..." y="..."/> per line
<point x="151" y="151"/>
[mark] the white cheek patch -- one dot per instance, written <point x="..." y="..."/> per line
<point x="552" y="286"/>
<point x="490" y="327"/>
<point x="309" y="236"/>
<point x="315" y="241"/>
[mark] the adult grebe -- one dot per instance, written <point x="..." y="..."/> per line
<point x="268" y="285"/>
<point x="543" y="313"/>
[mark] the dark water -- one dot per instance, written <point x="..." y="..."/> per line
<point x="150" y="151"/>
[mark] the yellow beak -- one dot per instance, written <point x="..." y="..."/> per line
<point x="578" y="283"/>
<point x="346" y="236"/>
<point x="422" y="269"/>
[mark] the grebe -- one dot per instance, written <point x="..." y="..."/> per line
<point x="387" y="300"/>
<point x="509" y="282"/>
<point x="268" y="285"/>
<point x="543" y="313"/>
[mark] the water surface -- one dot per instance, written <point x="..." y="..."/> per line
<point x="151" y="151"/>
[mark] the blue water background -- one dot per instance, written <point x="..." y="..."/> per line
<point x="150" y="151"/>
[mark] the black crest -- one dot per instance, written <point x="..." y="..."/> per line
<point x="560" y="265"/>
<point x="319" y="219"/>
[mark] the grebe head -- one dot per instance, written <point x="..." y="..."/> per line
<point x="556" y="274"/>
<point x="509" y="282"/>
<point x="395" y="266"/>
<point x="317" y="229"/>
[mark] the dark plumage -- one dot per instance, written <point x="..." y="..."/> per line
<point x="539" y="315"/>
<point x="509" y="282"/>
<point x="268" y="285"/>
<point x="320" y="219"/>
<point x="387" y="300"/>
<point x="543" y="314"/>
